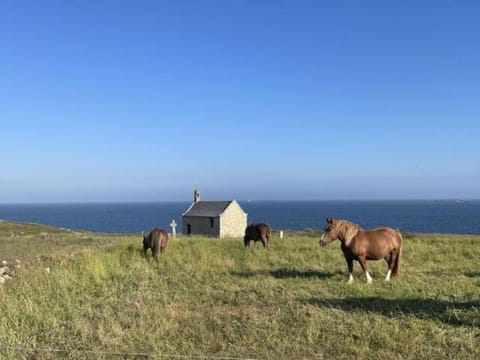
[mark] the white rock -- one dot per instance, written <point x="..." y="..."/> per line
<point x="48" y="270"/>
<point x="2" y="280"/>
<point x="4" y="270"/>
<point x="4" y="263"/>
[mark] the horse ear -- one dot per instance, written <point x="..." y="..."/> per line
<point x="329" y="220"/>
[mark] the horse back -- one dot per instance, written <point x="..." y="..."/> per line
<point x="390" y="234"/>
<point x="376" y="243"/>
<point x="264" y="229"/>
<point x="158" y="238"/>
<point x="258" y="231"/>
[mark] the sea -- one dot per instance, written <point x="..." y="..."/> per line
<point x="419" y="216"/>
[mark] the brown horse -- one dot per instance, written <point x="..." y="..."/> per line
<point x="362" y="245"/>
<point x="156" y="240"/>
<point x="257" y="232"/>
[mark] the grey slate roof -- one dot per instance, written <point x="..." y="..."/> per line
<point x="207" y="208"/>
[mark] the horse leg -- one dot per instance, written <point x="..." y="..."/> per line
<point x="363" y="264"/>
<point x="391" y="263"/>
<point x="264" y="241"/>
<point x="145" y="249"/>
<point x="350" y="268"/>
<point x="155" y="254"/>
<point x="389" y="259"/>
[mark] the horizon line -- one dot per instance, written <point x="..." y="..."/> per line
<point x="99" y="202"/>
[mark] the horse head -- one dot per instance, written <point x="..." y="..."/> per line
<point x="331" y="232"/>
<point x="339" y="229"/>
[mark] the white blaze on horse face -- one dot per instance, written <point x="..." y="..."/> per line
<point x="369" y="278"/>
<point x="350" y="278"/>
<point x="387" y="278"/>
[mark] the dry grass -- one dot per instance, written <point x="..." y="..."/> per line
<point x="210" y="297"/>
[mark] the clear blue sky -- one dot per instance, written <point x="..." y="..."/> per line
<point x="262" y="99"/>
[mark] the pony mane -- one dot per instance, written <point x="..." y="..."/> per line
<point x="348" y="230"/>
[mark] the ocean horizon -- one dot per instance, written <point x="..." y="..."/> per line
<point x="421" y="216"/>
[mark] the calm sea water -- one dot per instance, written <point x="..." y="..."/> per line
<point x="412" y="216"/>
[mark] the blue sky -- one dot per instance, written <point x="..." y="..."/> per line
<point x="144" y="100"/>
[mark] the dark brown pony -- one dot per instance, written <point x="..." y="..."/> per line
<point x="362" y="245"/>
<point x="257" y="232"/>
<point x="156" y="240"/>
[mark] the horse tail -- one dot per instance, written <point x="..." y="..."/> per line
<point x="396" y="265"/>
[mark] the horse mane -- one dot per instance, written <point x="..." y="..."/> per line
<point x="348" y="230"/>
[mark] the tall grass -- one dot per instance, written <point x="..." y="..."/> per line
<point x="210" y="297"/>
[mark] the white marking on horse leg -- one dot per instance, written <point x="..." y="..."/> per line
<point x="350" y="278"/>
<point x="387" y="278"/>
<point x="323" y="235"/>
<point x="369" y="278"/>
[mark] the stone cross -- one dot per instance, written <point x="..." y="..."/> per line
<point x="173" y="225"/>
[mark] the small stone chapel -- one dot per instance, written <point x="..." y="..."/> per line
<point x="214" y="218"/>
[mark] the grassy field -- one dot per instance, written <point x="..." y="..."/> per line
<point x="212" y="299"/>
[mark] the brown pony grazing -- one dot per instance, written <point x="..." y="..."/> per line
<point x="362" y="245"/>
<point x="156" y="240"/>
<point x="257" y="232"/>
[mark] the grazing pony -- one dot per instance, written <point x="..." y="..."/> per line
<point x="362" y="245"/>
<point x="257" y="232"/>
<point x="156" y="240"/>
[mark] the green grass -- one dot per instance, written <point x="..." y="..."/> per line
<point x="210" y="297"/>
